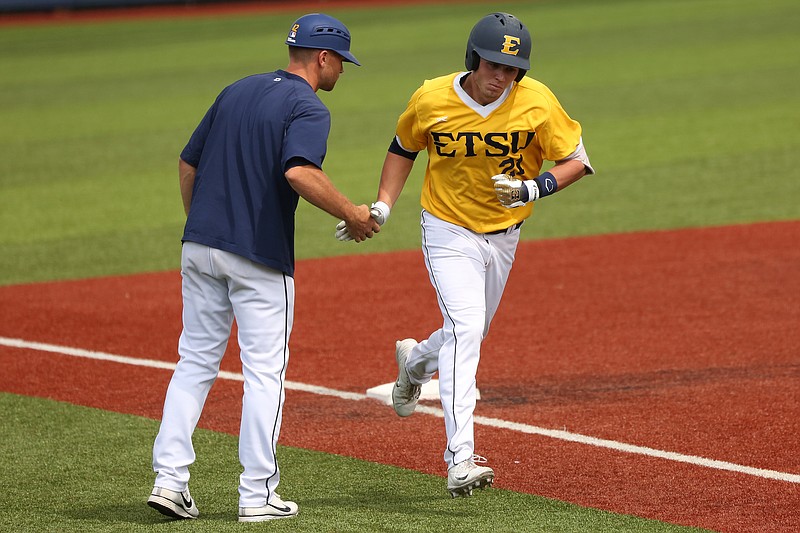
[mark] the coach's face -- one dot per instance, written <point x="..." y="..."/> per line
<point x="489" y="81"/>
<point x="331" y="69"/>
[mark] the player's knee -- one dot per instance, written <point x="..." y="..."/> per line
<point x="473" y="332"/>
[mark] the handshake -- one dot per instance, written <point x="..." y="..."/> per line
<point x="379" y="211"/>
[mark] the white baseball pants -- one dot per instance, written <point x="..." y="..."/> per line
<point x="469" y="271"/>
<point x="218" y="286"/>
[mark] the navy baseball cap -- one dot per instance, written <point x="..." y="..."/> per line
<point x="317" y="30"/>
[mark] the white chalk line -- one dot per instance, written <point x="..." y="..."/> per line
<point x="479" y="420"/>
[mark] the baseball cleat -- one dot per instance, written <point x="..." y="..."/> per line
<point x="405" y="394"/>
<point x="466" y="476"/>
<point x="173" y="504"/>
<point x="274" y="510"/>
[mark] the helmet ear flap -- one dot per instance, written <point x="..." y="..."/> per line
<point x="472" y="60"/>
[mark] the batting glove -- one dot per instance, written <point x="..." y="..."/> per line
<point x="341" y="233"/>
<point x="380" y="212"/>
<point x="512" y="192"/>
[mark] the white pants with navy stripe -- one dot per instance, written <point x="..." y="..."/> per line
<point x="469" y="271"/>
<point x="218" y="287"/>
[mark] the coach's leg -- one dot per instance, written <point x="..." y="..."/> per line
<point x="263" y="301"/>
<point x="207" y="319"/>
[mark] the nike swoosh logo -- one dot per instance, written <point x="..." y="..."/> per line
<point x="186" y="503"/>
<point x="461" y="478"/>
<point x="281" y="509"/>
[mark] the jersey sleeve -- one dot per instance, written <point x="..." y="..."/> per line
<point x="306" y="135"/>
<point x="560" y="135"/>
<point x="194" y="148"/>
<point x="409" y="133"/>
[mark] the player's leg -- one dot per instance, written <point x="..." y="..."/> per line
<point x="504" y="249"/>
<point x="263" y="301"/>
<point x="465" y="476"/>
<point x="207" y="318"/>
<point x="422" y="362"/>
<point x="456" y="259"/>
<point x="423" y="359"/>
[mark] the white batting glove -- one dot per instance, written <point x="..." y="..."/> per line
<point x="512" y="192"/>
<point x="380" y="212"/>
<point x="341" y="232"/>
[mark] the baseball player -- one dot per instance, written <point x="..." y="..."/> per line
<point x="259" y="147"/>
<point x="487" y="132"/>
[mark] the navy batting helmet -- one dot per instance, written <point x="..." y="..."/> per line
<point x="321" y="31"/>
<point x="501" y="38"/>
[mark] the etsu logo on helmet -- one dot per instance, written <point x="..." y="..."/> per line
<point x="510" y="45"/>
<point x="322" y="32"/>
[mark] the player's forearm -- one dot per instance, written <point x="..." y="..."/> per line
<point x="513" y="192"/>
<point x="396" y="170"/>
<point x="568" y="172"/>
<point x="186" y="175"/>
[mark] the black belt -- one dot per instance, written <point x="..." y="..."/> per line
<point x="498" y="232"/>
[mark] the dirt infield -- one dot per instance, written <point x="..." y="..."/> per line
<point x="683" y="341"/>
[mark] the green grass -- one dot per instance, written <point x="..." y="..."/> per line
<point x="91" y="472"/>
<point x="689" y="108"/>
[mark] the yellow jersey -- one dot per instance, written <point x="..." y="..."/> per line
<point x="468" y="143"/>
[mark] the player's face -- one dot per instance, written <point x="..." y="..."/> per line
<point x="332" y="68"/>
<point x="490" y="80"/>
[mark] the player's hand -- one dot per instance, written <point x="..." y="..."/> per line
<point x="380" y="212"/>
<point x="341" y="233"/>
<point x="512" y="192"/>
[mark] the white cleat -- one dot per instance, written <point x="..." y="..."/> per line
<point x="405" y="394"/>
<point x="275" y="509"/>
<point x="173" y="504"/>
<point x="466" y="476"/>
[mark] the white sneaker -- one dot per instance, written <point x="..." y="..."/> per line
<point x="172" y="503"/>
<point x="276" y="508"/>
<point x="405" y="394"/>
<point x="466" y="475"/>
